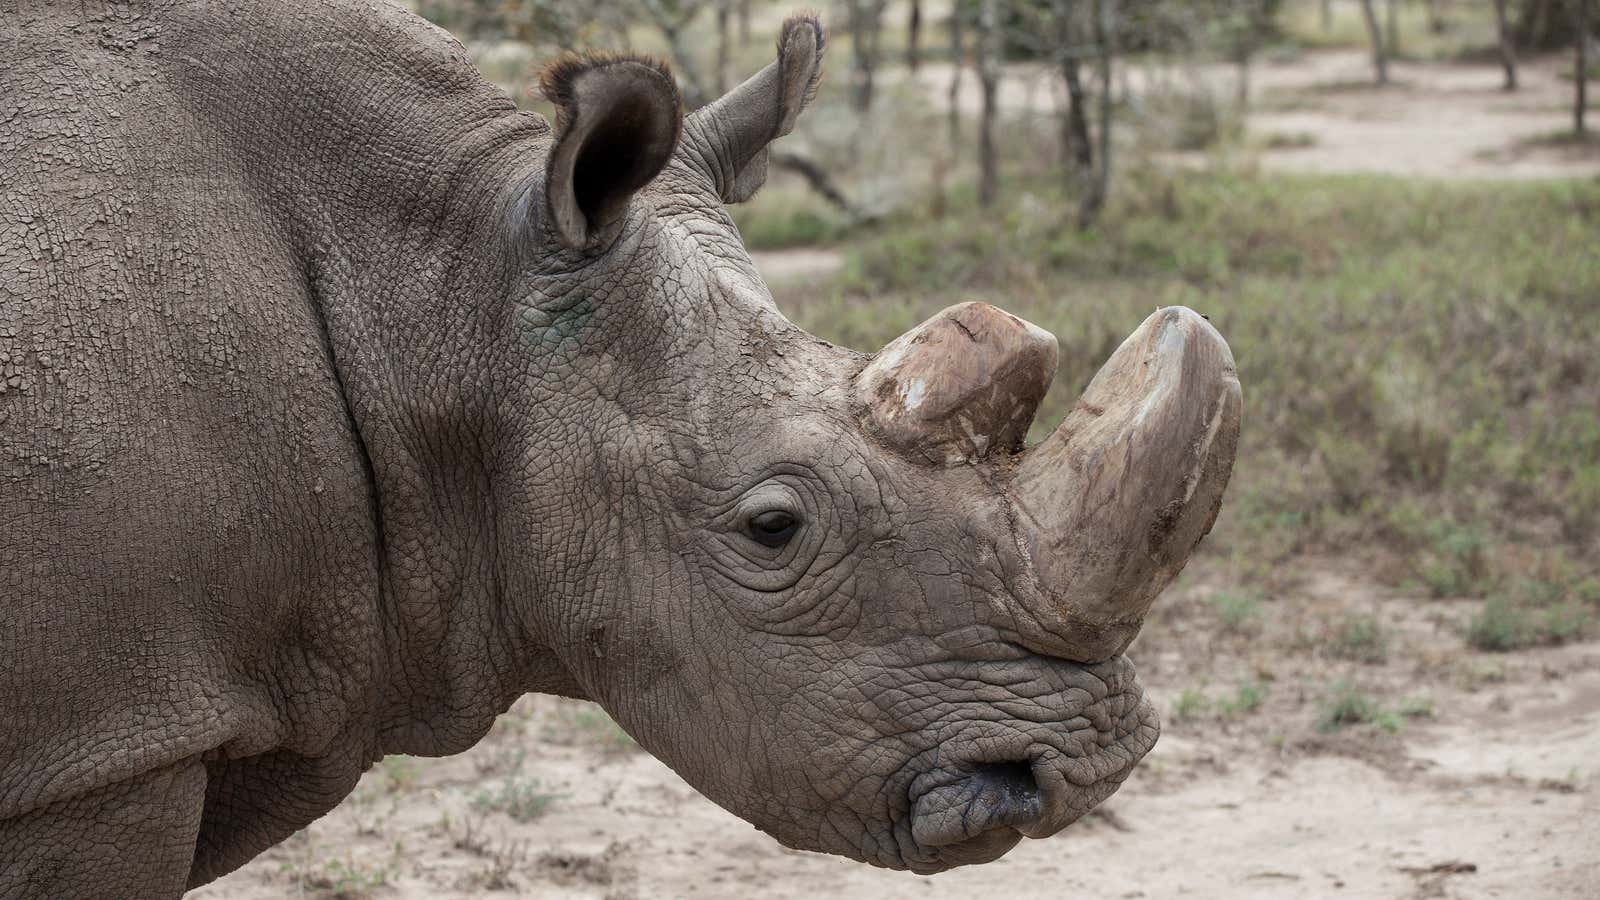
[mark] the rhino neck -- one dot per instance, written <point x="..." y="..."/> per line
<point x="383" y="158"/>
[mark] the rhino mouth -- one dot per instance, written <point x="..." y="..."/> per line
<point x="977" y="818"/>
<point x="993" y="784"/>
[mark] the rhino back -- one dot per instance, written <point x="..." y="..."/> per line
<point x="189" y="563"/>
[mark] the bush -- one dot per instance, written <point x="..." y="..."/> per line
<point x="1190" y="704"/>
<point x="1347" y="704"/>
<point x="523" y="799"/>
<point x="1532" y="613"/>
<point x="1247" y="698"/>
<point x="1360" y="638"/>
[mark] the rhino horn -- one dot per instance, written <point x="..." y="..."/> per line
<point x="959" y="387"/>
<point x="1113" y="502"/>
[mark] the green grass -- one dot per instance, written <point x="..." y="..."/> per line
<point x="1247" y="698"/>
<point x="401" y="772"/>
<point x="1190" y="704"/>
<point x="1348" y="705"/>
<point x="523" y="799"/>
<point x="1506" y="622"/>
<point x="348" y="878"/>
<point x="788" y="216"/>
<point x="1236" y="610"/>
<point x="1468" y="27"/>
<point x="588" y="724"/>
<point x="1360" y="638"/>
<point x="1418" y="358"/>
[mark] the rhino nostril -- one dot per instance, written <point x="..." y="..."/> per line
<point x="1012" y="783"/>
<point x="999" y="796"/>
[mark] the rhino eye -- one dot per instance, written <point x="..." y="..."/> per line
<point x="772" y="528"/>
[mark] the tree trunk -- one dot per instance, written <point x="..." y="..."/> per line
<point x="914" y="37"/>
<point x="1241" y="98"/>
<point x="1327" y="15"/>
<point x="989" y="18"/>
<point x="1580" y="78"/>
<point x="957" y="62"/>
<point x="744" y="23"/>
<point x="1435" y="16"/>
<point x="1105" y="36"/>
<point x="866" y="19"/>
<point x="719" y="81"/>
<point x="1077" y="148"/>
<point x="1375" y="34"/>
<point x="1539" y="18"/>
<point x="1393" y="40"/>
<point x="671" y="23"/>
<point x="1508" y="49"/>
<point x="1076" y="144"/>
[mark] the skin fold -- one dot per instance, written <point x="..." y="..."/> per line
<point x="343" y="403"/>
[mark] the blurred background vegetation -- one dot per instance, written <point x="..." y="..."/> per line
<point x="1420" y="352"/>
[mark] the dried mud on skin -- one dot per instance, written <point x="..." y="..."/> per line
<point x="1494" y="795"/>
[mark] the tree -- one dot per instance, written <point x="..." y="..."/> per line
<point x="1393" y="40"/>
<point x="1580" y="78"/>
<point x="1068" y="33"/>
<point x="1435" y="16"/>
<point x="672" y="18"/>
<point x="1105" y="37"/>
<point x="914" y="37"/>
<point x="1244" y="25"/>
<point x="990" y="16"/>
<point x="1508" y="48"/>
<point x="1076" y="146"/>
<point x="1546" y="24"/>
<point x="958" y="52"/>
<point x="1379" y="58"/>
<point x="719" y="80"/>
<point x="866" y="28"/>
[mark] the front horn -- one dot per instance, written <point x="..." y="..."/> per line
<point x="1114" y="501"/>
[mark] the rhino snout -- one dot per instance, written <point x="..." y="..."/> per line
<point x="980" y="816"/>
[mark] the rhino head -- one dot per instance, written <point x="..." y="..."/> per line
<point x="833" y="591"/>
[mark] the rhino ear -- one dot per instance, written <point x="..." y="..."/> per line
<point x="617" y="123"/>
<point x="728" y="139"/>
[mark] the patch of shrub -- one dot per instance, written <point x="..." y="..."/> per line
<point x="1236" y="609"/>
<point x="1247" y="698"/>
<point x="1347" y="705"/>
<point x="1360" y="638"/>
<point x="1190" y="704"/>
<point x="523" y="799"/>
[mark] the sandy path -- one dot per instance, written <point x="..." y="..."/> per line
<point x="1440" y="120"/>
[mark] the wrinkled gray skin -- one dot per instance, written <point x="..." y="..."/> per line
<point x="319" y="442"/>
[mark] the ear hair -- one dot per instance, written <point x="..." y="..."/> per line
<point x="618" y="119"/>
<point x="728" y="138"/>
<point x="795" y="31"/>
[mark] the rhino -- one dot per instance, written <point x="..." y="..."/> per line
<point x="343" y="403"/>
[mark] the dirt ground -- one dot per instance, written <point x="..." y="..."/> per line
<point x="1485" y="787"/>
